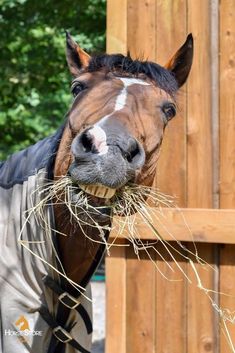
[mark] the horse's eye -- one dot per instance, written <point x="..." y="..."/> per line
<point x="77" y="87"/>
<point x="169" y="111"/>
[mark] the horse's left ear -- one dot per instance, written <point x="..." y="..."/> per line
<point x="180" y="64"/>
<point x="76" y="57"/>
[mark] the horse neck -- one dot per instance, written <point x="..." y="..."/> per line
<point x="79" y="254"/>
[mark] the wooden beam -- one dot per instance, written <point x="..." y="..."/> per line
<point x="140" y="303"/>
<point x="199" y="225"/>
<point x="227" y="155"/>
<point x="115" y="269"/>
<point x="199" y="130"/>
<point x="171" y="23"/>
<point x="116" y="26"/>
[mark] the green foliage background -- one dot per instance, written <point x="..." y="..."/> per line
<point x="35" y="81"/>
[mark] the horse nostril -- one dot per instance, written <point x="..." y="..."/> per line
<point x="134" y="152"/>
<point x="90" y="141"/>
<point x="87" y="142"/>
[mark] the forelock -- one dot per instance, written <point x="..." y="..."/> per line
<point x="125" y="65"/>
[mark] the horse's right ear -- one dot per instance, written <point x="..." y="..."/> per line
<point x="77" y="58"/>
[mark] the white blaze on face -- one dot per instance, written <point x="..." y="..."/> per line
<point x="97" y="132"/>
<point x="99" y="139"/>
<point x="121" y="98"/>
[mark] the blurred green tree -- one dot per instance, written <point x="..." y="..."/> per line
<point x="35" y="81"/>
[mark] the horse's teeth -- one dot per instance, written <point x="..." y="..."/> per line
<point x="98" y="191"/>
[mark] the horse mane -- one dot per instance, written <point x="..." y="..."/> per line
<point x="121" y="64"/>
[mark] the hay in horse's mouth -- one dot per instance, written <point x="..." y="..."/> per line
<point x="99" y="191"/>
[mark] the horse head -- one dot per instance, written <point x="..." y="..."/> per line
<point x="111" y="141"/>
<point x="117" y="119"/>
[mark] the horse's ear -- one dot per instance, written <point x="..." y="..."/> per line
<point x="180" y="64"/>
<point x="76" y="57"/>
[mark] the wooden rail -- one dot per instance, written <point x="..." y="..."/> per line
<point x="188" y="224"/>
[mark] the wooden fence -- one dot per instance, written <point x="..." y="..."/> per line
<point x="146" y="313"/>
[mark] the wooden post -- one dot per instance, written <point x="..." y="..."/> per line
<point x="227" y="154"/>
<point x="116" y="309"/>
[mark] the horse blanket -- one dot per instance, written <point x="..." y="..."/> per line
<point x="32" y="318"/>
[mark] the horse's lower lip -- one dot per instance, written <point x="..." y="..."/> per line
<point x="98" y="191"/>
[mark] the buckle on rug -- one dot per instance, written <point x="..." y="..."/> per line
<point x="68" y="300"/>
<point x="62" y="335"/>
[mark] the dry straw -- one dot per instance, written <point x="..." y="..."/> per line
<point x="132" y="201"/>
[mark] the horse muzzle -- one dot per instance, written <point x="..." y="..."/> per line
<point x="105" y="162"/>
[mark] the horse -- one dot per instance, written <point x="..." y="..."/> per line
<point x="57" y="196"/>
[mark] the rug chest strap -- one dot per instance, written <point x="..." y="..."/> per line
<point x="69" y="301"/>
<point x="59" y="332"/>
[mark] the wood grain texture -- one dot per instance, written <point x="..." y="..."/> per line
<point x="199" y="135"/>
<point x="116" y="26"/>
<point x="140" y="301"/>
<point x="201" y="331"/>
<point x="141" y="25"/>
<point x="181" y="317"/>
<point x="170" y="35"/>
<point x="227" y="153"/>
<point x="171" y="323"/>
<point x="200" y="314"/>
<point x="227" y="275"/>
<point x="115" y="268"/>
<point x="227" y="104"/>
